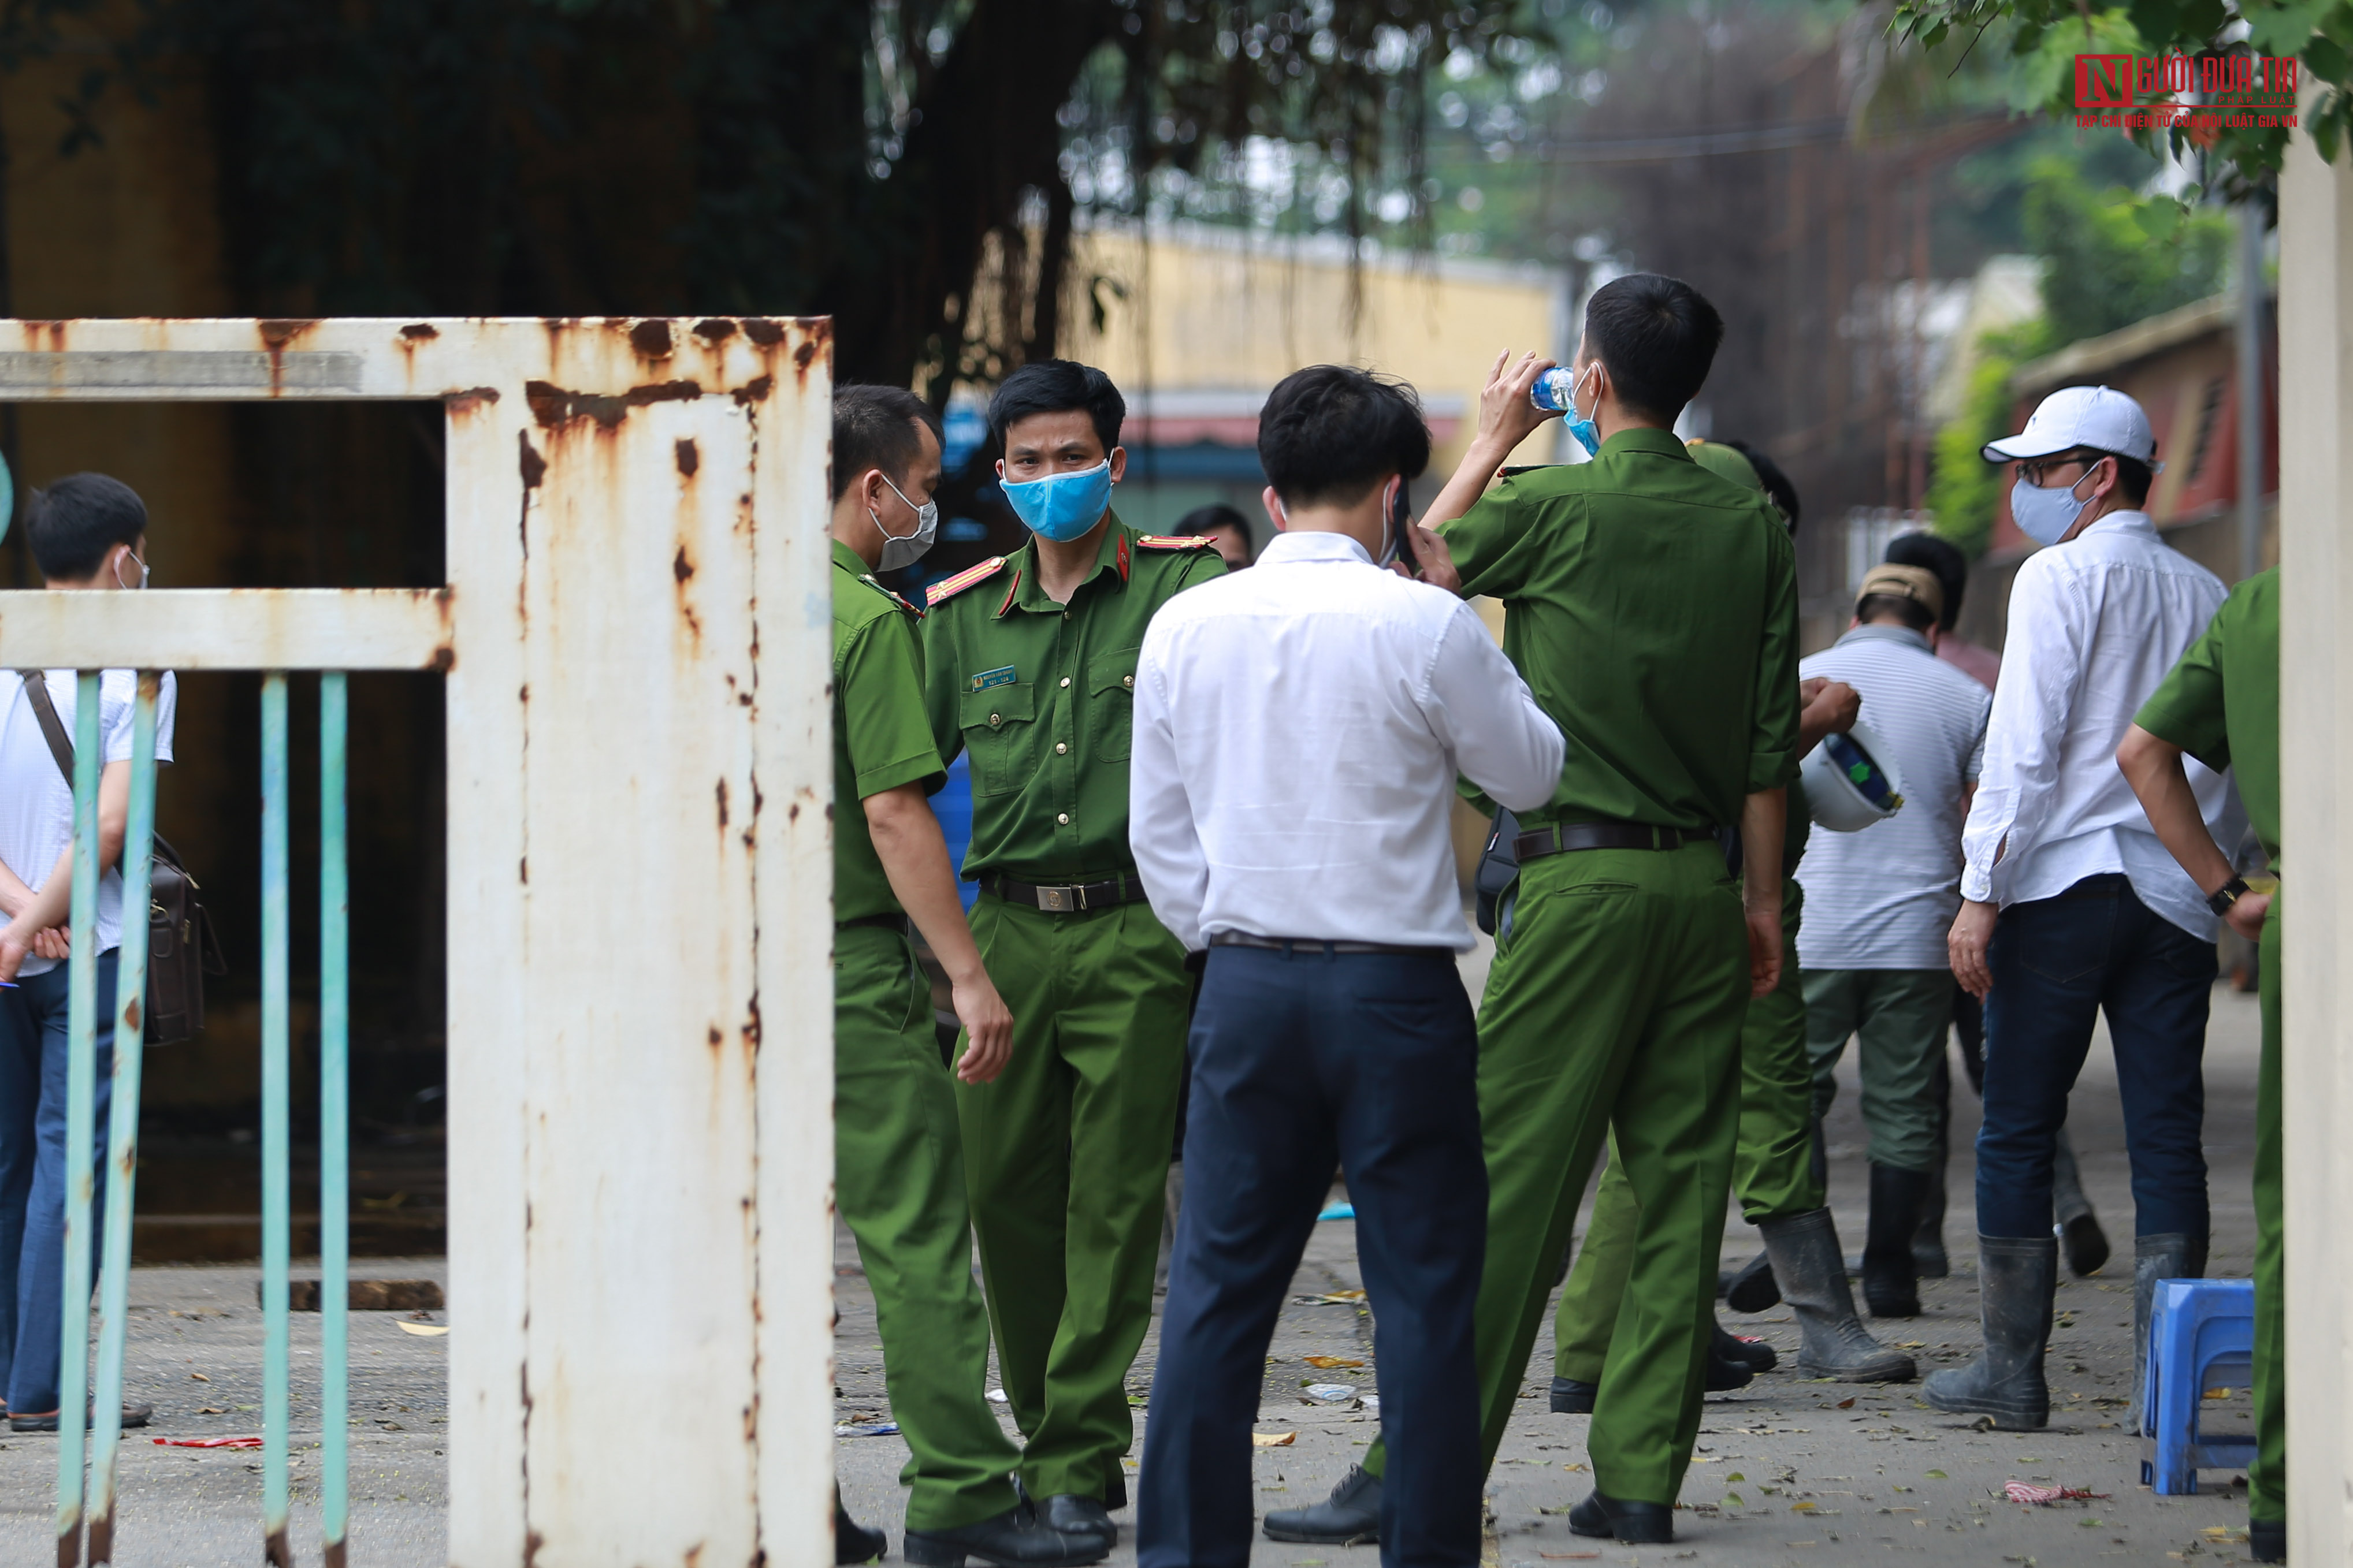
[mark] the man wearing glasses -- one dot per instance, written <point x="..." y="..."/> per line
<point x="2072" y="905"/>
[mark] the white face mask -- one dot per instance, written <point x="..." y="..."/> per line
<point x="2044" y="514"/>
<point x="906" y="548"/>
<point x="126" y="555"/>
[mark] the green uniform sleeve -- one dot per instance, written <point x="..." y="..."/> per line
<point x="1203" y="565"/>
<point x="1773" y="748"/>
<point x="940" y="665"/>
<point x="885" y="733"/>
<point x="2187" y="708"/>
<point x="1489" y="542"/>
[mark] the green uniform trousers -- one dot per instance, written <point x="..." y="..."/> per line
<point x="899" y="1181"/>
<point x="1898" y="1018"/>
<point x="2267" y="1477"/>
<point x="1066" y="1157"/>
<point x="1613" y="1007"/>
<point x="1772" y="1163"/>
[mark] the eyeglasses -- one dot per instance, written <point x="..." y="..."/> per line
<point x="2034" y="470"/>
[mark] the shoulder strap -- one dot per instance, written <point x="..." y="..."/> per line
<point x="53" y="729"/>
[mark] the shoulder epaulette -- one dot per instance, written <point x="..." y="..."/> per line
<point x="1175" y="542"/>
<point x="947" y="588"/>
<point x="893" y="596"/>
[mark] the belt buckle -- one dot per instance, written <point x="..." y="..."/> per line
<point x="1056" y="900"/>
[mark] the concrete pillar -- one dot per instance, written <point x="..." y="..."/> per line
<point x="2316" y="338"/>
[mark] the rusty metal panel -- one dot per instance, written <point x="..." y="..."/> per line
<point x="229" y="629"/>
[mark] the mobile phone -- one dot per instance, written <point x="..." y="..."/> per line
<point x="1401" y="529"/>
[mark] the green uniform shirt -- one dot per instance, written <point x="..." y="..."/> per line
<point x="881" y="737"/>
<point x="2221" y="704"/>
<point x="1044" y="695"/>
<point x="1653" y="612"/>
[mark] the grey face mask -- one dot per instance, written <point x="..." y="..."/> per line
<point x="906" y="548"/>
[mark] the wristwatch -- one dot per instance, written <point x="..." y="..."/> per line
<point x="2221" y="900"/>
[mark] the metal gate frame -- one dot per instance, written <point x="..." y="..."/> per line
<point x="635" y="637"/>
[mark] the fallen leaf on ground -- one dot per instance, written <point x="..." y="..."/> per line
<point x="1847" y="1404"/>
<point x="1331" y="1361"/>
<point x="1273" y="1439"/>
<point x="1572" y="1465"/>
<point x="209" y="1410"/>
<point x="199" y="1377"/>
<point x="1936" y="1475"/>
<point x="2218" y="1393"/>
<point x="408" y="1328"/>
<point x="1334" y="1299"/>
<point x="2043" y="1497"/>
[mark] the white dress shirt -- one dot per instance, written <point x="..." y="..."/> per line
<point x="2095" y="624"/>
<point x="1299" y="728"/>
<point x="1885" y="897"/>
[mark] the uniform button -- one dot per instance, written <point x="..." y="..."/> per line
<point x="1066" y="680"/>
<point x="1128" y="681"/>
<point x="1064" y="818"/>
<point x="1060" y="746"/>
<point x="995" y="719"/>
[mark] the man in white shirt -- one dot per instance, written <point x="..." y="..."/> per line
<point x="1298" y="731"/>
<point x="1879" y="902"/>
<point x="88" y="531"/>
<point x="2072" y="905"/>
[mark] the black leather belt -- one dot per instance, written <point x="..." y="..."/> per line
<point x="1559" y="838"/>
<point x="887" y="922"/>
<point x="1067" y="897"/>
<point x="1309" y="944"/>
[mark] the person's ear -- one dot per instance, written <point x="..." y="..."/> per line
<point x="2102" y="483"/>
<point x="1118" y="464"/>
<point x="1273" y="504"/>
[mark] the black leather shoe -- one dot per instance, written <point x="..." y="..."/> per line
<point x="1352" y="1514"/>
<point x="1725" y="1374"/>
<point x="2087" y="1245"/>
<point x="853" y="1542"/>
<point x="1078" y="1517"/>
<point x="132" y="1415"/>
<point x="1753" y="1354"/>
<point x="1636" y="1524"/>
<point x="1754" y="1288"/>
<point x="1115" y="1494"/>
<point x="1570" y="1397"/>
<point x="2267" y="1539"/>
<point x="1014" y="1538"/>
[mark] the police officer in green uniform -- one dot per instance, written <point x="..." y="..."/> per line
<point x="1652" y="607"/>
<point x="1775" y="1172"/>
<point x="2221" y="705"/>
<point x="1031" y="670"/>
<point x="898" y="1179"/>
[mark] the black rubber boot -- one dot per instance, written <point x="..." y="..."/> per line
<point x="1753" y="1354"/>
<point x="2267" y="1539"/>
<point x="853" y="1542"/>
<point x="1891" y="1283"/>
<point x="1753" y="1289"/>
<point x="1351" y="1514"/>
<point x="1805" y="1252"/>
<point x="2174" y="1255"/>
<point x="2079" y="1228"/>
<point x="2016" y="1276"/>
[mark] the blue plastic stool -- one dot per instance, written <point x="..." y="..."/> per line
<point x="2202" y="1335"/>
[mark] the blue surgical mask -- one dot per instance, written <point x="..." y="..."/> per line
<point x="1061" y="506"/>
<point x="1581" y="425"/>
<point x="2045" y="514"/>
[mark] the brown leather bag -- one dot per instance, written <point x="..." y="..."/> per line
<point x="181" y="947"/>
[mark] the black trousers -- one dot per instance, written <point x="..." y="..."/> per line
<point x="1299" y="1059"/>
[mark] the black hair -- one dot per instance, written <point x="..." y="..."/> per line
<point x="1911" y="612"/>
<point x="1331" y="432"/>
<point x="1055" y="387"/>
<point x="874" y="428"/>
<point x="1777" y="483"/>
<point x="1217" y="514"/>
<point x="1657" y="336"/>
<point x="76" y="521"/>
<point x="2133" y="478"/>
<point x="1940" y="556"/>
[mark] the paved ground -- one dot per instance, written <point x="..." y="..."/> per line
<point x="1787" y="1473"/>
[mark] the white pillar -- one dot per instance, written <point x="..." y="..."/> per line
<point x="2316" y="340"/>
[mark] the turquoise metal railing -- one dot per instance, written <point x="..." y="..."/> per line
<point x="104" y="1395"/>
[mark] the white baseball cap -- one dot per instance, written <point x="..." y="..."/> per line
<point x="2099" y="417"/>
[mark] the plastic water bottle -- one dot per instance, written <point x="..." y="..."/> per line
<point x="1554" y="389"/>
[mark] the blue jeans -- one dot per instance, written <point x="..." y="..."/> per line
<point x="33" y="1176"/>
<point x="2056" y="963"/>
<point x="1301" y="1060"/>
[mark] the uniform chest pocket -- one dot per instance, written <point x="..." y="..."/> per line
<point x="1111" y="698"/>
<point x="1001" y="735"/>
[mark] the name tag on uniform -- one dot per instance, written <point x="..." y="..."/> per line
<point x="987" y="679"/>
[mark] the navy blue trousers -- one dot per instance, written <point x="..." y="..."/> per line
<point x="1300" y="1061"/>
<point x="2058" y="963"/>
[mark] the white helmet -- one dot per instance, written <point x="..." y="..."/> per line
<point x="1852" y="781"/>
